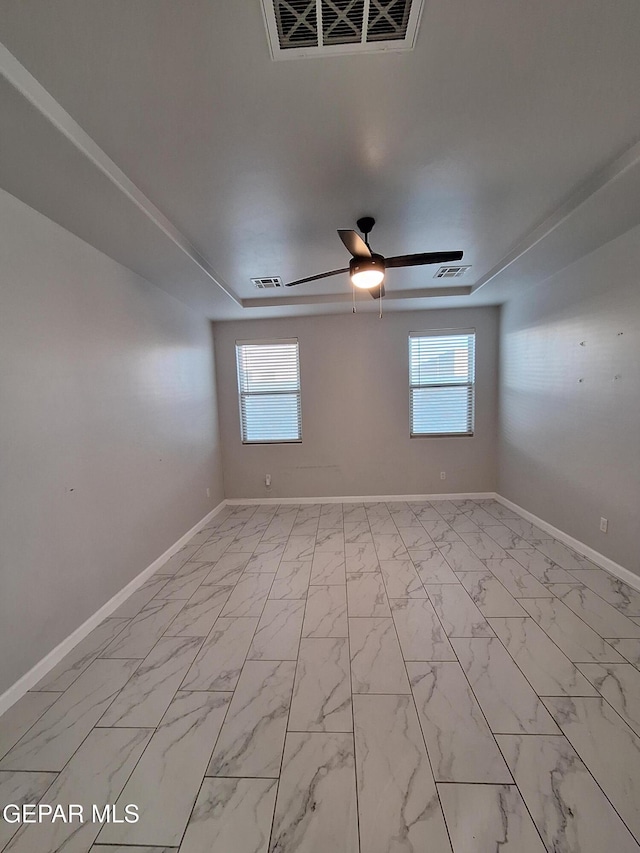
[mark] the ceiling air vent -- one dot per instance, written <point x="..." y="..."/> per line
<point x="307" y="28"/>
<point x="267" y="282"/>
<point x="452" y="272"/>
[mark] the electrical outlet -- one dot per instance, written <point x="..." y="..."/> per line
<point x="604" y="524"/>
<point x="443" y="475"/>
<point x="208" y="492"/>
<point x="267" y="480"/>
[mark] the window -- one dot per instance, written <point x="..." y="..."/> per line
<point x="441" y="381"/>
<point x="269" y="391"/>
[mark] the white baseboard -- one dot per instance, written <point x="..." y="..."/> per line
<point x="595" y="556"/>
<point x="346" y="499"/>
<point x="590" y="553"/>
<point x="31" y="678"/>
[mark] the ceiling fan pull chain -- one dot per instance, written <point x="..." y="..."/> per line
<point x="381" y="297"/>
<point x="353" y="290"/>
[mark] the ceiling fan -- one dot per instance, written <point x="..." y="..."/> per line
<point x="366" y="268"/>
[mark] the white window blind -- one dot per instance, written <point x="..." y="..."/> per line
<point x="269" y="391"/>
<point x="442" y="382"/>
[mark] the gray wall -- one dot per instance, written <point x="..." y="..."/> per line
<point x="570" y="449"/>
<point x="355" y="410"/>
<point x="108" y="431"/>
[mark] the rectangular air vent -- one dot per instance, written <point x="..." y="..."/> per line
<point x="267" y="282"/>
<point x="307" y="28"/>
<point x="452" y="272"/>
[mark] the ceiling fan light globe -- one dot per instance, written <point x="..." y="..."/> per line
<point x="366" y="279"/>
<point x="367" y="273"/>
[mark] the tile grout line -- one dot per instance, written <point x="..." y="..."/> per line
<point x="352" y="694"/>
<point x="413" y="700"/>
<point x="562" y="734"/>
<point x="493" y="734"/>
<point x="156" y="728"/>
<point x="224" y="719"/>
<point x="286" y="730"/>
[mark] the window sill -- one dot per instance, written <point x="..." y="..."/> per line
<point x="442" y="435"/>
<point x="274" y="441"/>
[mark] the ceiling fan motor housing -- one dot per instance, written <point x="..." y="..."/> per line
<point x="365" y="224"/>
<point x="375" y="262"/>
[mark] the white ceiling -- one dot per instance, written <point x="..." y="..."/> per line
<point x="507" y="114"/>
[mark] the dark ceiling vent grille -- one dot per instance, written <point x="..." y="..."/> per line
<point x="388" y="19"/>
<point x="306" y="28"/>
<point x="342" y="22"/>
<point x="452" y="271"/>
<point x="267" y="282"/>
<point x="297" y="23"/>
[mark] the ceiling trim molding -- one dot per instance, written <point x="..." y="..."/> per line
<point x="328" y="298"/>
<point x="595" y="183"/>
<point x="24" y="82"/>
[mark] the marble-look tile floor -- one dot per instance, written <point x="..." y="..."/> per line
<point x="361" y="678"/>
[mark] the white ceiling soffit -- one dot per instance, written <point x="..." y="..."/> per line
<point x="304" y="29"/>
<point x="30" y="89"/>
<point x="445" y="155"/>
<point x="602" y="208"/>
<point x="363" y="299"/>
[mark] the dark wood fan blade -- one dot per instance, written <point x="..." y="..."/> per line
<point x="354" y="243"/>
<point x="377" y="292"/>
<point x="316" y="277"/>
<point x="424" y="258"/>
